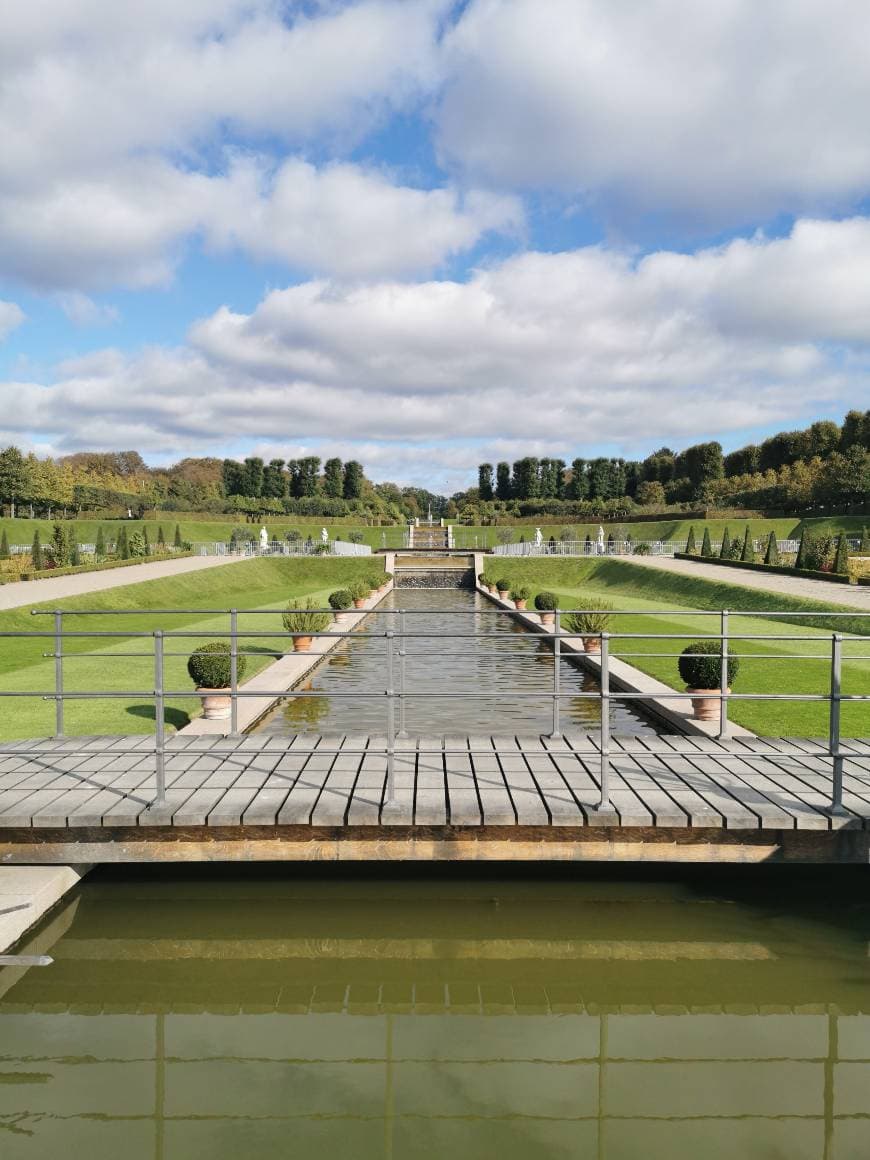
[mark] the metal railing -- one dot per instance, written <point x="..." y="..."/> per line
<point x="396" y="695"/>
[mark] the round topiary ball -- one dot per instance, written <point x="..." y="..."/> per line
<point x="546" y="601"/>
<point x="209" y="665"/>
<point x="700" y="665"/>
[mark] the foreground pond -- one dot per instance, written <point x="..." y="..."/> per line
<point x="271" y="1014"/>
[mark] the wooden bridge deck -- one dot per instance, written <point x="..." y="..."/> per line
<point x="483" y="783"/>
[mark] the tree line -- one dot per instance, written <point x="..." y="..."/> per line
<point x="825" y="464"/>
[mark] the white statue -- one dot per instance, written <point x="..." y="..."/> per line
<point x="264" y="540"/>
<point x="324" y="536"/>
<point x="539" y="537"/>
<point x="600" y="540"/>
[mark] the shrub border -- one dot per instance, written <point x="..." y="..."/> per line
<point x="780" y="569"/>
<point x="107" y="566"/>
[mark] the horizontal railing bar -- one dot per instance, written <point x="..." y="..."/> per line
<point x="379" y="751"/>
<point x="418" y="612"/>
<point x="711" y="694"/>
<point x="259" y="634"/>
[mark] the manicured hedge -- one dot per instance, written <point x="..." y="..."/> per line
<point x="776" y="569"/>
<point x="107" y="565"/>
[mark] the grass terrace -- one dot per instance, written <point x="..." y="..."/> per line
<point x="261" y="583"/>
<point x="645" y="590"/>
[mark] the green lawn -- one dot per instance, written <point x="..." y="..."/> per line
<point x="250" y="584"/>
<point x="200" y="531"/>
<point x="786" y="529"/>
<point x="642" y="590"/>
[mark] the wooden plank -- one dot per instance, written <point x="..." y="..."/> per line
<point x="302" y="799"/>
<point x="700" y="787"/>
<point x="855" y="782"/>
<point x="530" y="807"/>
<point x="495" y="801"/>
<point x="693" y="809"/>
<point x="332" y="805"/>
<point x="562" y="807"/>
<point x="430" y="792"/>
<point x="629" y="807"/>
<point x="400" y="810"/>
<point x="814" y="785"/>
<point x="576" y="770"/>
<point x="265" y="808"/>
<point x="771" y="816"/>
<point x="464" y="804"/>
<point x="368" y="790"/>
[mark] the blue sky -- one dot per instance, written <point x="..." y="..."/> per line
<point x="423" y="234"/>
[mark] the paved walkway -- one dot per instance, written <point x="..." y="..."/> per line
<point x="37" y="591"/>
<point x="850" y="596"/>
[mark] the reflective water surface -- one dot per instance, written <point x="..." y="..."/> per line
<point x="282" y="1014"/>
<point x="513" y="659"/>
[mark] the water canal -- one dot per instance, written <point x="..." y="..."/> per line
<point x="270" y="1013"/>
<point x="510" y="659"/>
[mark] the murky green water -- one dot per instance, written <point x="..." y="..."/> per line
<point x="512" y="659"/>
<point x="278" y="1014"/>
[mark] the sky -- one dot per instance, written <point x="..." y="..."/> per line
<point x="427" y="233"/>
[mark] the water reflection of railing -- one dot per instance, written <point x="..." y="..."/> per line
<point x="399" y="629"/>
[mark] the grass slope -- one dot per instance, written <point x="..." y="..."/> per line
<point x="267" y="582"/>
<point x="643" y="590"/>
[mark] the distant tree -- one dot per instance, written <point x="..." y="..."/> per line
<point x="333" y="479"/>
<point x="353" y="480"/>
<point x="706" y="545"/>
<point x="274" y="480"/>
<point x="771" y="556"/>
<point x="691" y="546"/>
<point x="232" y="477"/>
<point x="13" y="477"/>
<point x="484" y="482"/>
<point x="60" y="546"/>
<point x="650" y="492"/>
<point x="578" y="487"/>
<point x="864" y="546"/>
<point x="503" y="481"/>
<point x="252" y="477"/>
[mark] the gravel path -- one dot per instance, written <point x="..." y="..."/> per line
<point x="846" y="595"/>
<point x="37" y="591"/>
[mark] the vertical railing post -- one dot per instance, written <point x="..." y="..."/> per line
<point x="403" y="732"/>
<point x="834" y="723"/>
<point x="391" y="723"/>
<point x="723" y="676"/>
<point x="58" y="674"/>
<point x="160" y="719"/>
<point x="604" y="803"/>
<point x="234" y="672"/>
<point x="557" y="657"/>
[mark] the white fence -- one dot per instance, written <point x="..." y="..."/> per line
<point x="622" y="547"/>
<point x="283" y="548"/>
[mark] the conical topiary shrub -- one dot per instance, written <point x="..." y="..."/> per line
<point x="747" y="552"/>
<point x="36" y="559"/>
<point x="691" y="546"/>
<point x="800" y="559"/>
<point x="725" y="550"/>
<point x="771" y="556"/>
<point x="841" y="559"/>
<point x="706" y="545"/>
<point x="4" y="546"/>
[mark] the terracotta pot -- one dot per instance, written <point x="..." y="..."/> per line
<point x="342" y="617"/>
<point x="592" y="644"/>
<point x="502" y="595"/>
<point x="548" y="618"/>
<point x="520" y="605"/>
<point x="705" y="703"/>
<point x="215" y="704"/>
<point x="301" y="643"/>
<point x="359" y="602"/>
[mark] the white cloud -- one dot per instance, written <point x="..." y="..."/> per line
<point x="118" y="126"/>
<point x="714" y="111"/>
<point x="11" y="316"/>
<point x="84" y="311"/>
<point x="571" y="350"/>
